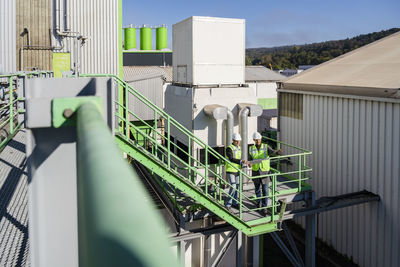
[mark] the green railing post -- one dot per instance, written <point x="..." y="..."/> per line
<point x="278" y="166"/>
<point x="206" y="168"/>
<point x="120" y="99"/>
<point x="273" y="196"/>
<point x="155" y="133"/>
<point x="114" y="218"/>
<point x="127" y="130"/>
<point x="11" y="93"/>
<point x="300" y="172"/>
<point x="240" y="195"/>
<point x="189" y="157"/>
<point x="220" y="180"/>
<point x="168" y="144"/>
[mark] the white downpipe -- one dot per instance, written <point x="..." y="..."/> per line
<point x="229" y="128"/>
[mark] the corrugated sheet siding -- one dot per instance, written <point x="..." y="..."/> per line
<point x="291" y="105"/>
<point x="98" y="20"/>
<point x="7" y="36"/>
<point x="356" y="146"/>
<point x="34" y="15"/>
<point x="138" y="72"/>
<point x="152" y="89"/>
<point x="95" y="19"/>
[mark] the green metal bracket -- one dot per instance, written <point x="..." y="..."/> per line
<point x="194" y="192"/>
<point x="64" y="109"/>
<point x="281" y="213"/>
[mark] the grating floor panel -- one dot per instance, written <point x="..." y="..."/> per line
<point x="13" y="204"/>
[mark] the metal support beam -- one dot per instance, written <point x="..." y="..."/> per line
<point x="181" y="252"/>
<point x="310" y="234"/>
<point x="239" y="254"/>
<point x="196" y="233"/>
<point x="224" y="248"/>
<point x="206" y="244"/>
<point x="52" y="163"/>
<point x="292" y="244"/>
<point x="324" y="204"/>
<point x="248" y="250"/>
<point x="256" y="251"/>
<point x="285" y="249"/>
<point x="207" y="250"/>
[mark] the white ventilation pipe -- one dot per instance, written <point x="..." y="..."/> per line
<point x="218" y="112"/>
<point x="229" y="128"/>
<point x="243" y="122"/>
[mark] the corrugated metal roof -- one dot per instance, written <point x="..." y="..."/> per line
<point x="372" y="70"/>
<point x="262" y="74"/>
<point x="135" y="73"/>
<point x="253" y="73"/>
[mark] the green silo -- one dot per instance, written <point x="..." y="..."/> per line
<point x="130" y="38"/>
<point x="161" y="37"/>
<point x="145" y="38"/>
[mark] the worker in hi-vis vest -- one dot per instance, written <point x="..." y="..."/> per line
<point x="260" y="165"/>
<point x="233" y="154"/>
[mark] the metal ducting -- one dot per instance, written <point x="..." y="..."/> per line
<point x="245" y="111"/>
<point x="229" y="128"/>
<point x="216" y="112"/>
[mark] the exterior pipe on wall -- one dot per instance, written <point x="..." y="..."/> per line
<point x="229" y="128"/>
<point x="243" y="122"/>
<point x="218" y="112"/>
<point x="246" y="110"/>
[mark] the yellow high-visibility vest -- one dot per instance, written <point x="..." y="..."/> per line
<point x="237" y="154"/>
<point x="260" y="154"/>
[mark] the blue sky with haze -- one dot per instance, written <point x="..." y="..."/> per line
<point x="275" y="23"/>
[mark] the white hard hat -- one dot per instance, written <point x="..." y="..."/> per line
<point x="236" y="137"/>
<point x="256" y="136"/>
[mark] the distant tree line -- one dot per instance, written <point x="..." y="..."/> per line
<point x="290" y="57"/>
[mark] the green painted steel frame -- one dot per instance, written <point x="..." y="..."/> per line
<point x="13" y="102"/>
<point x="164" y="161"/>
<point x="111" y="227"/>
<point x="197" y="194"/>
<point x="59" y="105"/>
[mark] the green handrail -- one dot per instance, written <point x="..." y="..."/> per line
<point x="11" y="104"/>
<point x="116" y="222"/>
<point x="159" y="147"/>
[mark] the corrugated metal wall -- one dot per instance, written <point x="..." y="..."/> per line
<point x="7" y="36"/>
<point x="97" y="20"/>
<point x="151" y="88"/>
<point x="35" y="16"/>
<point x="356" y="146"/>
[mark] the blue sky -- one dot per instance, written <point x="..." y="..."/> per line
<point x="275" y="23"/>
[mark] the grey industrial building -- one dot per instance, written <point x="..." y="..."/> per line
<point x="347" y="111"/>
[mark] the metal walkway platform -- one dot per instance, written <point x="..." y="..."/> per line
<point x="13" y="204"/>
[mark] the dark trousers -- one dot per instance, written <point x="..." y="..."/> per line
<point x="261" y="187"/>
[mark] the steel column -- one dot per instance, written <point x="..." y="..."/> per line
<point x="248" y="251"/>
<point x="256" y="251"/>
<point x="310" y="234"/>
<point x="239" y="254"/>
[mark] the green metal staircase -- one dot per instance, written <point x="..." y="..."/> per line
<point x="152" y="145"/>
